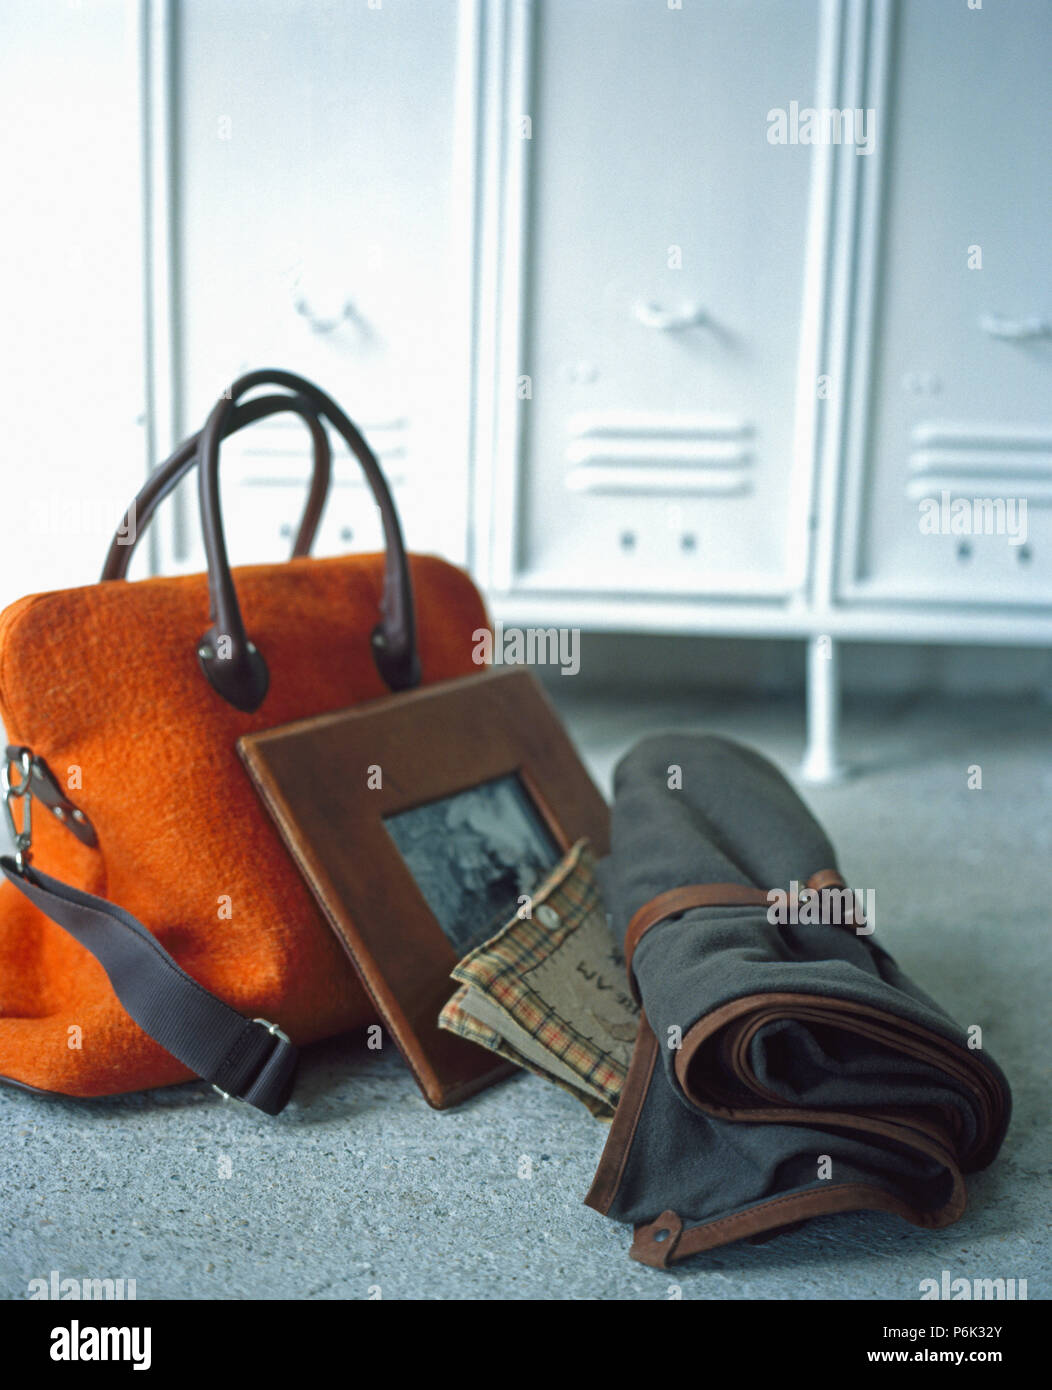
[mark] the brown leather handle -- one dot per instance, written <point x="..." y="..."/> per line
<point x="170" y="473"/>
<point x="235" y="667"/>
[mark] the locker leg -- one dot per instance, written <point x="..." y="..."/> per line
<point x="821" y="762"/>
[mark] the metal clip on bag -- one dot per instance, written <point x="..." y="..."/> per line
<point x="123" y="715"/>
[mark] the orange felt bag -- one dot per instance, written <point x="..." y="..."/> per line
<point x="152" y="925"/>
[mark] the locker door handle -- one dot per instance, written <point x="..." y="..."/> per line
<point x="1015" y="330"/>
<point x="652" y="315"/>
<point x="318" y="323"/>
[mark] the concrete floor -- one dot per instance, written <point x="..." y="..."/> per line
<point x="359" y="1184"/>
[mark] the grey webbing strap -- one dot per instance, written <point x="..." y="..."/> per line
<point x="247" y="1059"/>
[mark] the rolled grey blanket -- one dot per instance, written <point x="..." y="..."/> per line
<point x="785" y="1067"/>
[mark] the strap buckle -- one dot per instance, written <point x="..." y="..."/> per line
<point x="21" y="836"/>
<point x="278" y="1033"/>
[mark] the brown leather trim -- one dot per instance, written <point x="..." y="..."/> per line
<point x="677" y="1243"/>
<point x="678" y="900"/>
<point x="733" y="1026"/>
<point x="649" y="1248"/>
<point x="626" y="1120"/>
<point x="825" y="878"/>
<point x="46" y="789"/>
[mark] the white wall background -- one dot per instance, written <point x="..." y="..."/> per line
<point x="72" y="384"/>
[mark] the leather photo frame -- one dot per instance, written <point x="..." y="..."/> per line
<point x="461" y="780"/>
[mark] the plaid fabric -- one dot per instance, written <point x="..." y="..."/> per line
<point x="455" y="1019"/>
<point x="594" y="1049"/>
